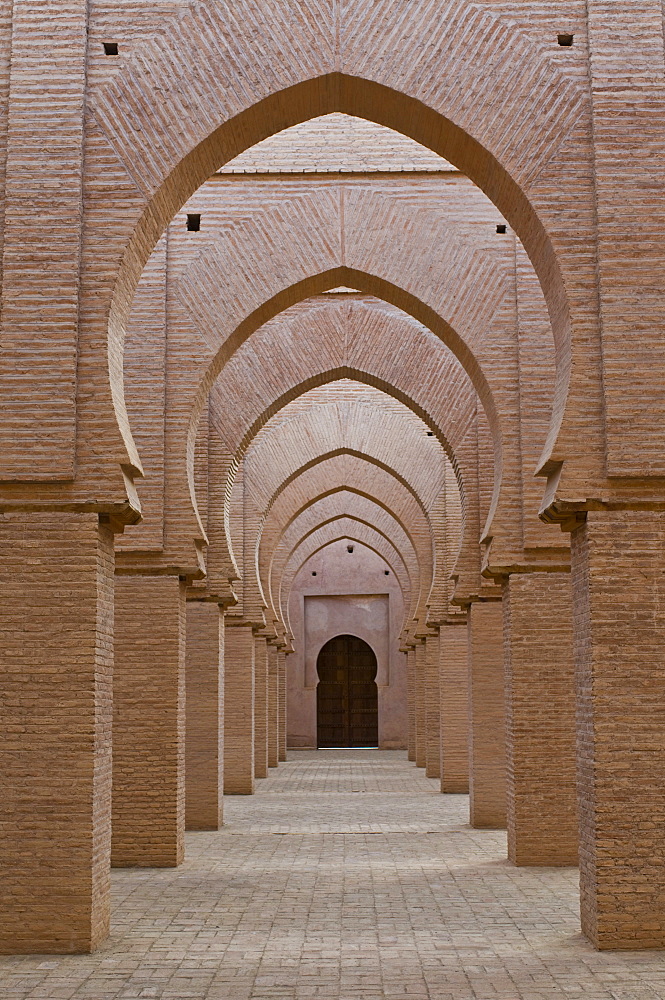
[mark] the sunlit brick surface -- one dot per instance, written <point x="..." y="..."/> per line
<point x="346" y="876"/>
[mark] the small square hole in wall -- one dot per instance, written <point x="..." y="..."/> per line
<point x="193" y="222"/>
<point x="565" y="39"/>
<point x="501" y="228"/>
<point x="386" y="572"/>
<point x="430" y="434"/>
<point x="110" y="48"/>
<point x="349" y="548"/>
<point x="313" y="572"/>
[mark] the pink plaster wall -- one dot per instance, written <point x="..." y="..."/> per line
<point x="350" y="595"/>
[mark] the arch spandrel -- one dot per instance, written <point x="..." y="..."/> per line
<point x="331" y="336"/>
<point x="349" y="505"/>
<point x="369" y="483"/>
<point x="360" y="423"/>
<point x="333" y="332"/>
<point x="431" y="271"/>
<point x="254" y="518"/>
<point x="343" y="528"/>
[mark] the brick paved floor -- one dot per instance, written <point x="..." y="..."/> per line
<point x="347" y="877"/>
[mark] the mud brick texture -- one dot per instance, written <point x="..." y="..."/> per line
<point x="487" y="741"/>
<point x="618" y="586"/>
<point x="454" y="700"/>
<point x="239" y="687"/>
<point x="540" y="719"/>
<point x="56" y="622"/>
<point x="204" y="699"/>
<point x="149" y="722"/>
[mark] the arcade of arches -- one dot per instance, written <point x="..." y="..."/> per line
<point x="332" y="381"/>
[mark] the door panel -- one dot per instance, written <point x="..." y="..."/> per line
<point x="346" y="695"/>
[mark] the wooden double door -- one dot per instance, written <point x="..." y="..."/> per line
<point x="347" y="702"/>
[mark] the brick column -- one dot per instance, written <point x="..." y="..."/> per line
<point x="421" y="704"/>
<point x="619" y="597"/>
<point x="454" y="694"/>
<point x="238" y="710"/>
<point x="433" y="708"/>
<point x="540" y="720"/>
<point x="281" y="661"/>
<point x="487" y="750"/>
<point x="204" y="746"/>
<point x="260" y="707"/>
<point x="411" y="702"/>
<point x="56" y="649"/>
<point x="149" y="722"/>
<point x="273" y="707"/>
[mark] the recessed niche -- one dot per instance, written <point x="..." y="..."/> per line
<point x="501" y="228"/>
<point x="386" y="572"/>
<point x="349" y="548"/>
<point x="110" y="48"/>
<point x="313" y="572"/>
<point x="193" y="222"/>
<point x="430" y="434"/>
<point x="565" y="39"/>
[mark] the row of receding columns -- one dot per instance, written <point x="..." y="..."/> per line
<point x="69" y="715"/>
<point x="197" y="712"/>
<point x="532" y="723"/>
<point x="492" y="713"/>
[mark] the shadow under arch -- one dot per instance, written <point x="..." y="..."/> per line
<point x="374" y="101"/>
<point x="353" y="636"/>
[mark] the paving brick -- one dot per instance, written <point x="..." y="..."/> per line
<point x="383" y="892"/>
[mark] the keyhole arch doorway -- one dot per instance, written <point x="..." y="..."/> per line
<point x="347" y="697"/>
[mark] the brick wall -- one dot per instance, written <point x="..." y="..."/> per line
<point x="619" y="594"/>
<point x="420" y="677"/>
<point x="238" y="710"/>
<point x="433" y="710"/>
<point x="273" y="707"/>
<point x="260" y="707"/>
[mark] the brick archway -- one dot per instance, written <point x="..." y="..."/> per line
<point x="369" y="480"/>
<point x="460" y="129"/>
<point x="326" y="541"/>
<point x="277" y="568"/>
<point x="285" y="561"/>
